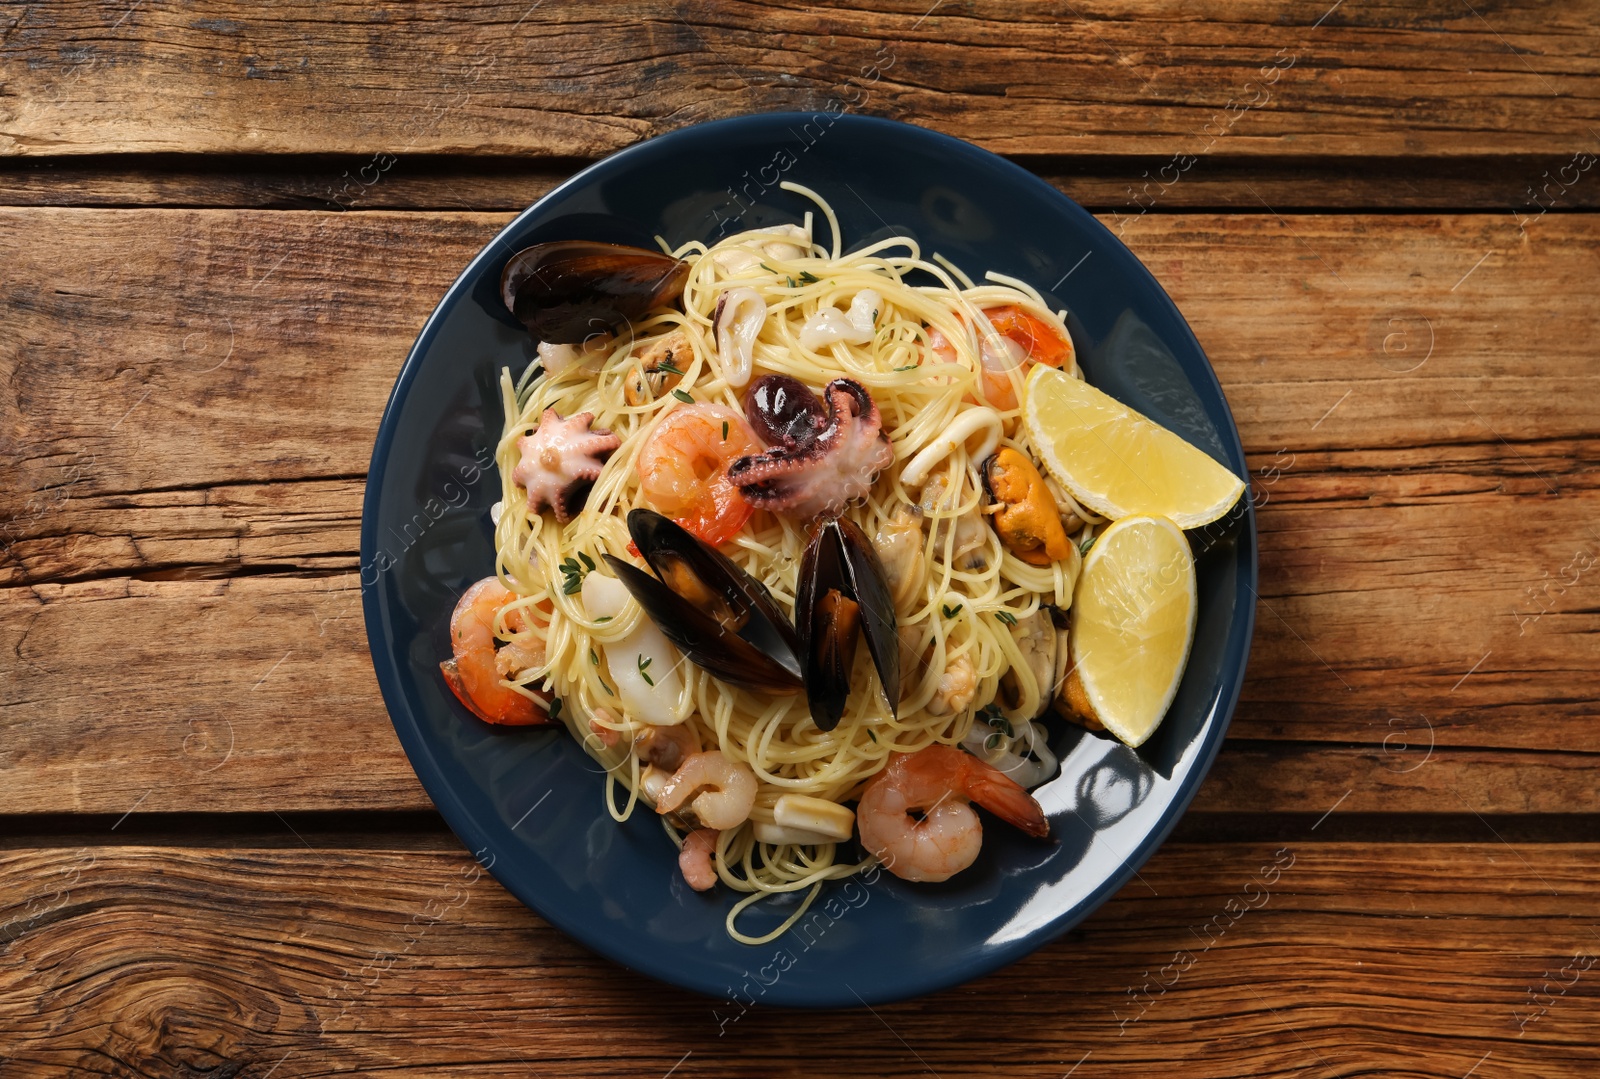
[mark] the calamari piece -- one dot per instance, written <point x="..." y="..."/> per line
<point x="644" y="668"/>
<point x="854" y="327"/>
<point x="738" y="319"/>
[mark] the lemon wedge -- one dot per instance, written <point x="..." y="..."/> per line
<point x="1133" y="617"/>
<point x="1117" y="462"/>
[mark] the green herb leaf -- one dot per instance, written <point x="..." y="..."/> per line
<point x="1087" y="544"/>
<point x="949" y="611"/>
<point x="594" y="658"/>
<point x="684" y="397"/>
<point x="872" y="735"/>
<point x="609" y="692"/>
<point x="643" y="665"/>
<point x="1007" y="617"/>
<point x="807" y="278"/>
<point x="724" y="430"/>
<point x="909" y="367"/>
<point x="602" y="618"/>
<point x="574" y="571"/>
<point x="874" y="316"/>
<point x="767" y="268"/>
<point x="669" y="367"/>
<point x="991" y="741"/>
<point x="555" y="707"/>
<point x="790" y="280"/>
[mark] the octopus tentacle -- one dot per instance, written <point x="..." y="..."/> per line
<point x="820" y="460"/>
<point x="561" y="459"/>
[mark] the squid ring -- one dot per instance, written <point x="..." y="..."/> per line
<point x="966" y="425"/>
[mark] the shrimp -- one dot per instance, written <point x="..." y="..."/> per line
<point x="608" y="737"/>
<point x="914" y="816"/>
<point x="665" y="747"/>
<point x="473" y="672"/>
<point x="683" y="470"/>
<point x="694" y="859"/>
<point x="958" y="685"/>
<point x="1019" y="341"/>
<point x="723" y="791"/>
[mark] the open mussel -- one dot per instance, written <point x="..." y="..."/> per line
<point x="843" y="593"/>
<point x="717" y="614"/>
<point x="566" y="291"/>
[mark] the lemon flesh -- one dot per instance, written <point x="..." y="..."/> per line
<point x="1117" y="462"/>
<point x="1133" y="618"/>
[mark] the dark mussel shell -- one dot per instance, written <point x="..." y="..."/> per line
<point x="843" y="592"/>
<point x="717" y="614"/>
<point x="567" y="291"/>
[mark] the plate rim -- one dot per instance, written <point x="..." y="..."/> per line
<point x="461" y="819"/>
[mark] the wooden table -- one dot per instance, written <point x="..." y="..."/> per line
<point x="223" y="228"/>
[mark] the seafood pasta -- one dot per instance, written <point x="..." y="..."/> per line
<point x="731" y="465"/>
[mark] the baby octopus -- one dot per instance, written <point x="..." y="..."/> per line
<point x="821" y="456"/>
<point x="560" y="461"/>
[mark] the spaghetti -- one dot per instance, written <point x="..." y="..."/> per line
<point x="964" y="601"/>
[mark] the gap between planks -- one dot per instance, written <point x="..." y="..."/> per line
<point x="1102" y="184"/>
<point x="426" y="830"/>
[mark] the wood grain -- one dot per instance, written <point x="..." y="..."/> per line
<point x="1103" y="183"/>
<point x="180" y="695"/>
<point x="188" y="395"/>
<point x="1278" y="960"/>
<point x="292" y="326"/>
<point x="204" y="705"/>
<point x="189" y="399"/>
<point x="508" y="79"/>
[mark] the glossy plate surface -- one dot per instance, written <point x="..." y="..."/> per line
<point x="528" y="803"/>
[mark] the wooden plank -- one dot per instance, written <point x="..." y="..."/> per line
<point x="1223" y="960"/>
<point x="274" y="366"/>
<point x="185" y="533"/>
<point x="179" y="695"/>
<point x="1423" y="319"/>
<point x="193" y="693"/>
<point x="1327" y="333"/>
<point x="1438" y="642"/>
<point x="236" y="363"/>
<point x="582" y="79"/>
<point x="1411" y="770"/>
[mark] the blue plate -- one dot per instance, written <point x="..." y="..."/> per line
<point x="528" y="802"/>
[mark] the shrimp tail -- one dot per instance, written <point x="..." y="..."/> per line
<point x="1005" y="798"/>
<point x="519" y="713"/>
<point x="694" y="860"/>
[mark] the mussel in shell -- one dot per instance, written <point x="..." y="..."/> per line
<point x="714" y="612"/>
<point x="843" y="595"/>
<point x="566" y="291"/>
